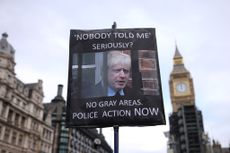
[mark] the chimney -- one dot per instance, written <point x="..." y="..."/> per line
<point x="59" y="97"/>
<point x="60" y="88"/>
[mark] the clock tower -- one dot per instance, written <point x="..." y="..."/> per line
<point x="186" y="122"/>
<point x="181" y="84"/>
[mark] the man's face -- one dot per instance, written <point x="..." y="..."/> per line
<point x="118" y="76"/>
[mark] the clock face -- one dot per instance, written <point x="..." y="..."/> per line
<point x="181" y="87"/>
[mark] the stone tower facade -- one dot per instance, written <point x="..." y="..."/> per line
<point x="186" y="122"/>
<point x="22" y="126"/>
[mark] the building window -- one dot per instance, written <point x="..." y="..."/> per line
<point x="34" y="126"/>
<point x="14" y="138"/>
<point x="23" y="121"/>
<point x="7" y="134"/>
<point x="64" y="140"/>
<point x="20" y="140"/>
<point x="1" y="131"/>
<point x="18" y="101"/>
<point x="3" y="109"/>
<point x="10" y="115"/>
<point x="32" y="144"/>
<point x="23" y="105"/>
<point x="17" y="119"/>
<point x="47" y="134"/>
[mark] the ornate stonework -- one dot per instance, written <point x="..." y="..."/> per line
<point x="181" y="84"/>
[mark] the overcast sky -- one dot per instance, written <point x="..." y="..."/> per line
<point x="39" y="32"/>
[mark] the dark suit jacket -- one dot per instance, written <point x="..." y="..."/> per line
<point x="99" y="90"/>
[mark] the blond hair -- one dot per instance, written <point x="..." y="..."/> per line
<point x="115" y="57"/>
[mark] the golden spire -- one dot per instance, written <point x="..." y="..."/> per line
<point x="178" y="59"/>
<point x="178" y="66"/>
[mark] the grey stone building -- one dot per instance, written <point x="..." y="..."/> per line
<point x="72" y="140"/>
<point x="22" y="126"/>
<point x="27" y="125"/>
